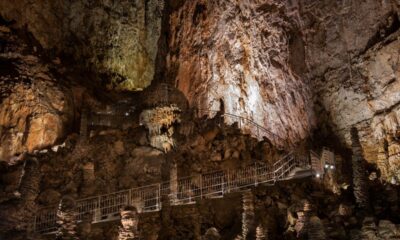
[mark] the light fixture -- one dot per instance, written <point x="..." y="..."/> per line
<point x="326" y="166"/>
<point x="393" y="181"/>
<point x="318" y="175"/>
<point x="332" y="167"/>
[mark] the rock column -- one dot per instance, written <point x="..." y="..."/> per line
<point x="359" y="172"/>
<point x="173" y="182"/>
<point x="66" y="219"/>
<point x="29" y="190"/>
<point x="248" y="215"/>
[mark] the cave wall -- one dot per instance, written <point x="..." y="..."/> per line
<point x="240" y="52"/>
<point x="351" y="55"/>
<point x="288" y="65"/>
<point x="117" y="39"/>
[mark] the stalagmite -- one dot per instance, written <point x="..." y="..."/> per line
<point x="248" y="214"/>
<point x="211" y="234"/>
<point x="302" y="224"/>
<point x="173" y="182"/>
<point x="29" y="190"/>
<point x="30" y="182"/>
<point x="261" y="233"/>
<point x="308" y="225"/>
<point x="359" y="172"/>
<point x="66" y="219"/>
<point x="129" y="224"/>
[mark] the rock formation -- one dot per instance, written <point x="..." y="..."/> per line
<point x="118" y="39"/>
<point x="66" y="219"/>
<point x="248" y="221"/>
<point x="129" y="221"/>
<point x="254" y="66"/>
<point x="108" y="96"/>
<point x="359" y="172"/>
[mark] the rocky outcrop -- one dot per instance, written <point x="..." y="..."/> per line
<point x="36" y="110"/>
<point x="117" y="39"/>
<point x="351" y="54"/>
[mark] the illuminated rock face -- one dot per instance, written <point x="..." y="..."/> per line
<point x="116" y="38"/>
<point x="239" y="51"/>
<point x="351" y="52"/>
<point x="159" y="121"/>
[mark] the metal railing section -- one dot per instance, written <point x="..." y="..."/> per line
<point x="148" y="198"/>
<point x="256" y="129"/>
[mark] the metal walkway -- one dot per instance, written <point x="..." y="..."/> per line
<point x="183" y="191"/>
<point x="188" y="190"/>
<point x="249" y="125"/>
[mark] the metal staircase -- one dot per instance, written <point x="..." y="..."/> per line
<point x="254" y="128"/>
<point x="106" y="207"/>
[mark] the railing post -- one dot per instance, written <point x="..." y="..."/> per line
<point x="228" y="181"/>
<point x="159" y="197"/>
<point x="97" y="212"/>
<point x="129" y="202"/>
<point x="34" y="224"/>
<point x="255" y="174"/>
<point x="201" y="186"/>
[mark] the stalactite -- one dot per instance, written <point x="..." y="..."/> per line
<point x="158" y="119"/>
<point x="66" y="219"/>
<point x="129" y="224"/>
<point x="359" y="171"/>
<point x="248" y="215"/>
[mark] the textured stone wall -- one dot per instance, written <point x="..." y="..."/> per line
<point x="116" y="38"/>
<point x="351" y="55"/>
<point x="240" y="52"/>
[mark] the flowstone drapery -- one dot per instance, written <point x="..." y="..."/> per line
<point x="159" y="121"/>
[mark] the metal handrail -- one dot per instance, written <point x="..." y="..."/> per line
<point x="106" y="207"/>
<point x="254" y="124"/>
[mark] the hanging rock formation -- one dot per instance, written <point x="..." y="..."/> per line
<point x="118" y="39"/>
